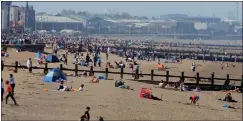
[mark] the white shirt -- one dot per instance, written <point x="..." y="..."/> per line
<point x="80" y="89"/>
<point x="29" y="64"/>
<point x="12" y="81"/>
<point x="2" y="85"/>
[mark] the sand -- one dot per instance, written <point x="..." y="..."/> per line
<point x="114" y="103"/>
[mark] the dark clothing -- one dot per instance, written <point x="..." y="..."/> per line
<point x="106" y="56"/>
<point x="13" y="86"/>
<point x="87" y="116"/>
<point x="87" y="59"/>
<point x="10" y="95"/>
<point x="2" y="93"/>
<point x="61" y="87"/>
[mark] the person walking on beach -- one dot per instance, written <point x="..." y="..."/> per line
<point x="10" y="93"/>
<point x="2" y="84"/>
<point x="99" y="61"/>
<point x="12" y="82"/>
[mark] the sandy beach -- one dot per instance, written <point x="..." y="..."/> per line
<point x="113" y="103"/>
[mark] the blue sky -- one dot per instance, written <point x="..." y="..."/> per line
<point x="219" y="9"/>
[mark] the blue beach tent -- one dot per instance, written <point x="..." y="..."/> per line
<point x="52" y="58"/>
<point x="55" y="75"/>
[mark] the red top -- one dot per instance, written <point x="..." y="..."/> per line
<point x="9" y="89"/>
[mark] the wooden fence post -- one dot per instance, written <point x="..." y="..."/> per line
<point x="212" y="79"/>
<point x="182" y="77"/>
<point x="152" y="75"/>
<point x="16" y="66"/>
<point x="121" y="72"/>
<point x="30" y="69"/>
<point x="197" y="79"/>
<point x="227" y="81"/>
<point x="76" y="69"/>
<point x="91" y="73"/>
<point x="106" y="73"/>
<point x="45" y="69"/>
<point x="61" y="67"/>
<point x="137" y="74"/>
<point x="167" y="76"/>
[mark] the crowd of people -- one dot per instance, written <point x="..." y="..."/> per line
<point x="94" y="47"/>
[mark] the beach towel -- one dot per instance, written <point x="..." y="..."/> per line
<point x="102" y="77"/>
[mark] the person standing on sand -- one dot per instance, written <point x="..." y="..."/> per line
<point x="10" y="93"/>
<point x="12" y="82"/>
<point x="29" y="63"/>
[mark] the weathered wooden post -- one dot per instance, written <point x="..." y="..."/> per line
<point x="76" y="69"/>
<point x="137" y="74"/>
<point x="197" y="79"/>
<point x="16" y="67"/>
<point x="106" y="73"/>
<point x="212" y="79"/>
<point x="121" y="73"/>
<point x="30" y="69"/>
<point x="61" y="67"/>
<point x="152" y="75"/>
<point x="45" y="69"/>
<point x="182" y="77"/>
<point x="227" y="81"/>
<point x="91" y="73"/>
<point x="167" y="76"/>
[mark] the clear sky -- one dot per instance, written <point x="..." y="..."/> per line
<point x="220" y="9"/>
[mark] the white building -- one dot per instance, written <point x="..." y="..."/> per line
<point x="4" y="14"/>
<point x="14" y="16"/>
<point x="200" y="26"/>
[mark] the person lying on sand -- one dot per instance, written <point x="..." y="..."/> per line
<point x="64" y="88"/>
<point x="160" y="85"/>
<point x="119" y="83"/>
<point x="81" y="88"/>
<point x="61" y="85"/>
<point x="228" y="98"/>
<point x="95" y="80"/>
<point x="194" y="99"/>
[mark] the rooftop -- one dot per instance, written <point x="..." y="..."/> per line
<point x="49" y="18"/>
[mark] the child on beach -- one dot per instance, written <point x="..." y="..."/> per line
<point x="81" y="88"/>
<point x="194" y="99"/>
<point x="10" y="93"/>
